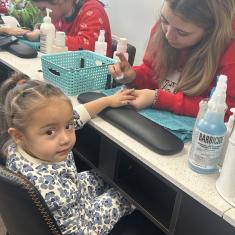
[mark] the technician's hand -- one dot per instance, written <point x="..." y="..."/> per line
<point x="143" y="98"/>
<point x="14" y="31"/>
<point x="121" y="98"/>
<point x="122" y="69"/>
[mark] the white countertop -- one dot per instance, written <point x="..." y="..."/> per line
<point x="229" y="216"/>
<point x="173" y="168"/>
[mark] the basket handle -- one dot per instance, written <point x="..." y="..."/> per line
<point x="53" y="71"/>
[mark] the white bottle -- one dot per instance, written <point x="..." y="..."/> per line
<point x="225" y="184"/>
<point x="202" y="110"/>
<point x="47" y="34"/>
<point x="229" y="125"/>
<point x="59" y="43"/>
<point x="121" y="48"/>
<point x="101" y="45"/>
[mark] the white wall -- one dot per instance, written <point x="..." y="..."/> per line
<point x="133" y="19"/>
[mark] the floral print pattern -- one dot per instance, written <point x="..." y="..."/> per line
<point x="83" y="31"/>
<point x="82" y="203"/>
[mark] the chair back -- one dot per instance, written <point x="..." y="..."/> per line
<point x="22" y="208"/>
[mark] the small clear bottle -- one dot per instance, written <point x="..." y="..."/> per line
<point x="202" y="110"/>
<point x="209" y="133"/>
<point x="121" y="48"/>
<point x="101" y="45"/>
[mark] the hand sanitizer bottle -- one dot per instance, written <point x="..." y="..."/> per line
<point x="47" y="34"/>
<point x="101" y="45"/>
<point x="209" y="132"/>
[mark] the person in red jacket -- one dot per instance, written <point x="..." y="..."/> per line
<point x="190" y="45"/>
<point x="81" y="20"/>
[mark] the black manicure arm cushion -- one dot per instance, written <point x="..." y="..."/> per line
<point x="152" y="135"/>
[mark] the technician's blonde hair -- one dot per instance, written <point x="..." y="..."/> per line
<point x="216" y="17"/>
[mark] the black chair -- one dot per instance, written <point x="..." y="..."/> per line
<point x="24" y="211"/>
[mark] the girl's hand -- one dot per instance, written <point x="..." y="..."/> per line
<point x="122" y="69"/>
<point x="143" y="98"/>
<point x="121" y="98"/>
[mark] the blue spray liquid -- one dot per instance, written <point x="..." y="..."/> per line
<point x="209" y="133"/>
<point x="208" y="142"/>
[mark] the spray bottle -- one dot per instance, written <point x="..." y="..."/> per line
<point x="101" y="45"/>
<point x="121" y="48"/>
<point x="47" y="33"/>
<point x="202" y="110"/>
<point x="209" y="132"/>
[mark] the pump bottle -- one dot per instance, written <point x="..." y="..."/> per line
<point x="209" y="132"/>
<point x="47" y="34"/>
<point x="101" y="45"/>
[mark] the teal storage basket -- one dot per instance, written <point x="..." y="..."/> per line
<point x="76" y="72"/>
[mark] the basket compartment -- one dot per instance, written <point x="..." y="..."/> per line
<point x="76" y="72"/>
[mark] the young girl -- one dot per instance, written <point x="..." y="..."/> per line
<point x="191" y="44"/>
<point x="37" y="136"/>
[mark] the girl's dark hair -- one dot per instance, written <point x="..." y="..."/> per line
<point x="19" y="98"/>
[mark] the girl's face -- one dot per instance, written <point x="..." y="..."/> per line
<point x="50" y="135"/>
<point x="179" y="33"/>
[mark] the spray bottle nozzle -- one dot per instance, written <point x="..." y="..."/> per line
<point x="218" y="98"/>
<point x="48" y="12"/>
<point x="101" y="37"/>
